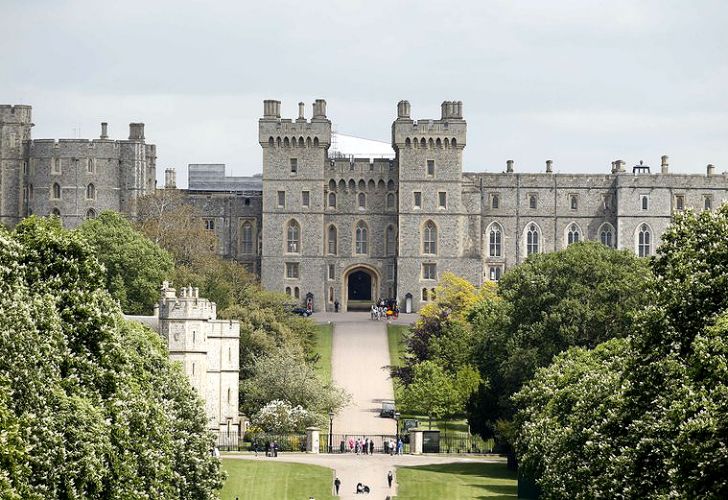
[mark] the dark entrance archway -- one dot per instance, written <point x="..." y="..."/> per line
<point x="360" y="286"/>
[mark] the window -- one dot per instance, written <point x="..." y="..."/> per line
<point x="55" y="165"/>
<point x="645" y="202"/>
<point x="362" y="201"/>
<point x="292" y="270"/>
<point x="573" y="201"/>
<point x="331" y="294"/>
<point x="606" y="201"/>
<point x="418" y="199"/>
<point x="90" y="166"/>
<point x="707" y="201"/>
<point x="288" y="291"/>
<point x="679" y="202"/>
<point x="442" y="199"/>
<point x="305" y="199"/>
<point x="332" y="271"/>
<point x="332" y="200"/>
<point x="425" y="294"/>
<point x="210" y="224"/>
<point x="30" y="191"/>
<point x="429" y="239"/>
<point x="56" y="191"/>
<point x="494" y="273"/>
<point x="573" y="234"/>
<point x="332" y="238"/>
<point x="56" y="212"/>
<point x="429" y="271"/>
<point x="606" y="236"/>
<point x="246" y="238"/>
<point x="532" y="201"/>
<point x="390" y="272"/>
<point x="281" y="199"/>
<point x="90" y="192"/>
<point x="390" y="200"/>
<point x="90" y="213"/>
<point x="532" y="240"/>
<point x="494" y="201"/>
<point x="293" y="237"/>
<point x="495" y="241"/>
<point x="390" y="243"/>
<point x="362" y="238"/>
<point x="431" y="168"/>
<point x="644" y="241"/>
<point x="294" y="165"/>
<point x="296" y="292"/>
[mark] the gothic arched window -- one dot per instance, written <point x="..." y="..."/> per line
<point x="332" y="242"/>
<point x="391" y="241"/>
<point x="573" y="234"/>
<point x="90" y="192"/>
<point x="644" y="241"/>
<point x="532" y="239"/>
<point x="246" y="238"/>
<point x="362" y="238"/>
<point x="362" y="201"/>
<point x="56" y="192"/>
<point x="332" y="200"/>
<point x="293" y="235"/>
<point x="606" y="235"/>
<point x="429" y="238"/>
<point x="90" y="213"/>
<point x="495" y="241"/>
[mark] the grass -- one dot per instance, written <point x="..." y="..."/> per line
<point x="395" y="337"/>
<point x="453" y="481"/>
<point x="263" y="480"/>
<point x="322" y="347"/>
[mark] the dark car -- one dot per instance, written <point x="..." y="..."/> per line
<point x="302" y="311"/>
<point x="387" y="410"/>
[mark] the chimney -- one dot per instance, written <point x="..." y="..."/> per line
<point x="710" y="169"/>
<point x="170" y="179"/>
<point x="445" y="110"/>
<point x="458" y="110"/>
<point x="509" y="166"/>
<point x="403" y="110"/>
<point x="319" y="109"/>
<point x="619" y="165"/>
<point x="104" y="130"/>
<point x="300" y="111"/>
<point x="136" y="131"/>
<point x="271" y="109"/>
<point x="549" y="166"/>
<point x="664" y="165"/>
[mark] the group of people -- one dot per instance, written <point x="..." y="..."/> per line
<point x="391" y="447"/>
<point x="360" y="487"/>
<point x="360" y="446"/>
<point x="383" y="309"/>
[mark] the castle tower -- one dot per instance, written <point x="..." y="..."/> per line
<point x="295" y="153"/>
<point x="137" y="169"/>
<point x="438" y="230"/>
<point x="15" y="127"/>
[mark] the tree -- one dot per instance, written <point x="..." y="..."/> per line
<point x="135" y="267"/>
<point x="280" y="417"/>
<point x="580" y="296"/>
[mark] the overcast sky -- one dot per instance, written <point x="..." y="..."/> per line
<point x="580" y="82"/>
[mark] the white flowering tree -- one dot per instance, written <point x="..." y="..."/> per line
<point x="280" y="417"/>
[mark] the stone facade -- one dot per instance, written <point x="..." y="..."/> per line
<point x="351" y="230"/>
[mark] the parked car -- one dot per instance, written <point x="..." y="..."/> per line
<point x="302" y="311"/>
<point x="387" y="410"/>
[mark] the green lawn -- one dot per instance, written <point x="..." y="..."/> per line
<point x="395" y="334"/>
<point x="324" y="339"/>
<point x="262" y="480"/>
<point x="453" y="481"/>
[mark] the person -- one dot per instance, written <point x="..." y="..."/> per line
<point x="351" y="444"/>
<point x="337" y="485"/>
<point x="389" y="478"/>
<point x="336" y="306"/>
<point x="359" y="488"/>
<point x="275" y="449"/>
<point x="374" y="313"/>
<point x="400" y="447"/>
<point x="371" y="447"/>
<point x="391" y="447"/>
<point x="386" y="446"/>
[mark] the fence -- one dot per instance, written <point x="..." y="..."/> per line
<point x="261" y="442"/>
<point x="464" y="444"/>
<point x="346" y="443"/>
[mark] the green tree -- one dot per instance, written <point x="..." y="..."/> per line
<point x="135" y="266"/>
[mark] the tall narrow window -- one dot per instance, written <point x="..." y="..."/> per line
<point x="246" y="238"/>
<point x="644" y="241"/>
<point x="362" y="201"/>
<point x="494" y="273"/>
<point x="532" y="201"/>
<point x="56" y="192"/>
<point x="532" y="240"/>
<point x="418" y="199"/>
<point x="442" y="199"/>
<point x="707" y="201"/>
<point x="573" y="201"/>
<point x="332" y="240"/>
<point x="606" y="236"/>
<point x="281" y="199"/>
<point x="332" y="271"/>
<point x="495" y="241"/>
<point x="293" y="237"/>
<point x="90" y="166"/>
<point x="494" y="201"/>
<point x="90" y="192"/>
<point x="332" y="200"/>
<point x="331" y="294"/>
<point x="425" y="294"/>
<point x="645" y="202"/>
<point x="391" y="241"/>
<point x="431" y="168"/>
<point x="362" y="238"/>
<point x="573" y="234"/>
<point x="390" y="200"/>
<point x="680" y="202"/>
<point x="210" y="224"/>
<point x="305" y="199"/>
<point x="429" y="239"/>
<point x="55" y="165"/>
<point x="294" y="165"/>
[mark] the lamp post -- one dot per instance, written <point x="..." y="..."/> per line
<point x="331" y="430"/>
<point x="396" y="420"/>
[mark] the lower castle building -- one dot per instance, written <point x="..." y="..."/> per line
<point x="327" y="229"/>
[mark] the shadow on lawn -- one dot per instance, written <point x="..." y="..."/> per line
<point x="497" y="471"/>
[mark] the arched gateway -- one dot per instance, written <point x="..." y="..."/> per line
<point x="360" y="290"/>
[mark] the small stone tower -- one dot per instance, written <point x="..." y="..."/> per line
<point x="15" y="127"/>
<point x="295" y="153"/>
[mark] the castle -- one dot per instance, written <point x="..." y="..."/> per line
<point x="327" y="229"/>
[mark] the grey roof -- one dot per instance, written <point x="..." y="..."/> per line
<point x="211" y="177"/>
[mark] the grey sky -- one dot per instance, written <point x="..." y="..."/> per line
<point x="580" y="82"/>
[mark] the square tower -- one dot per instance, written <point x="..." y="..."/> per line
<point x="15" y="127"/>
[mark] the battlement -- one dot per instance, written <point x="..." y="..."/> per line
<point x="18" y="113"/>
<point x="275" y="131"/>
<point x="382" y="166"/>
<point x="447" y="132"/>
<point x="188" y="305"/>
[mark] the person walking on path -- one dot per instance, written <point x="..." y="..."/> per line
<point x="337" y="485"/>
<point x="389" y="478"/>
<point x="371" y="447"/>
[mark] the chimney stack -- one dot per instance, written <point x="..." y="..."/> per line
<point x="619" y="166"/>
<point x="300" y="111"/>
<point x="170" y="179"/>
<point x="403" y="110"/>
<point x="549" y="166"/>
<point x="104" y="130"/>
<point x="665" y="166"/>
<point x="509" y="166"/>
<point x="319" y="109"/>
<point x="136" y="131"/>
<point x="710" y="170"/>
<point x="271" y="109"/>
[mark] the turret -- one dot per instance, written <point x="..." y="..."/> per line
<point x="15" y="127"/>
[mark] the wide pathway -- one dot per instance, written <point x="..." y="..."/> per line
<point x="360" y="353"/>
<point x="366" y="469"/>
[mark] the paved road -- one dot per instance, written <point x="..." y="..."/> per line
<point x="360" y="351"/>
<point x="366" y="469"/>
